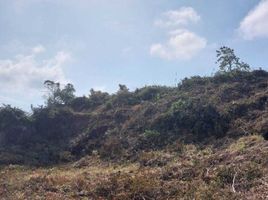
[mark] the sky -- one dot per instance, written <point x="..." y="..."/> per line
<point x="102" y="43"/>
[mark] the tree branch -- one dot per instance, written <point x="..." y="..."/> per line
<point x="233" y="185"/>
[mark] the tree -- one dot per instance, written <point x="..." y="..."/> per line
<point x="97" y="97"/>
<point x="53" y="90"/>
<point x="122" y="88"/>
<point x="57" y="96"/>
<point x="229" y="61"/>
<point x="67" y="93"/>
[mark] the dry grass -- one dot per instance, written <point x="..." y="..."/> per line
<point x="193" y="173"/>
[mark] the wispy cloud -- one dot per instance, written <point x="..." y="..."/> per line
<point x="182" y="43"/>
<point x="23" y="75"/>
<point x="255" y="24"/>
<point x="174" y="18"/>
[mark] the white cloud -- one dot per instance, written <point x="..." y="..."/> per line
<point x="22" y="77"/>
<point x="255" y="24"/>
<point x="38" y="49"/>
<point x="180" y="17"/>
<point x="181" y="45"/>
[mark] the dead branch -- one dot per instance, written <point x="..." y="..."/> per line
<point x="233" y="185"/>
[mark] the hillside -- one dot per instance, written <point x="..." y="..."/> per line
<point x="205" y="139"/>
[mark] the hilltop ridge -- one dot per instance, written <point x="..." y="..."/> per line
<point x="200" y="110"/>
<point x="205" y="138"/>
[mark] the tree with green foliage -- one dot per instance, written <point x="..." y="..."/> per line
<point x="97" y="98"/>
<point x="229" y="62"/>
<point x="67" y="94"/>
<point x="123" y="89"/>
<point x="124" y="96"/>
<point x="58" y="96"/>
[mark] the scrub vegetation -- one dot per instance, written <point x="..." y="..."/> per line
<point x="204" y="139"/>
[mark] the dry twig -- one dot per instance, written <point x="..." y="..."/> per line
<point x="233" y="185"/>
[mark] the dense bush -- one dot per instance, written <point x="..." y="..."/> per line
<point x="199" y="117"/>
<point x="97" y="98"/>
<point x="193" y="116"/>
<point x="15" y="126"/>
<point x="81" y="103"/>
<point x="54" y="124"/>
<point x="152" y="139"/>
<point x="194" y="81"/>
<point x="150" y="92"/>
<point x="122" y="97"/>
<point x="225" y="77"/>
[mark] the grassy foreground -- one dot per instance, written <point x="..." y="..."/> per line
<point x="238" y="169"/>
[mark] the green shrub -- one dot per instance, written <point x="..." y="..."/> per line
<point x="193" y="116"/>
<point x="81" y="103"/>
<point x="187" y="83"/>
<point x="53" y="124"/>
<point x="15" y="126"/>
<point x="150" y="92"/>
<point x="123" y="98"/>
<point x="152" y="139"/>
<point x="109" y="105"/>
<point x="97" y="98"/>
<point x="151" y="134"/>
<point x="180" y="105"/>
<point x="225" y="176"/>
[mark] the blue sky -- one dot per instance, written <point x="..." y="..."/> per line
<point x="101" y="43"/>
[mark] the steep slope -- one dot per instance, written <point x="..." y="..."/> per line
<point x="120" y="126"/>
<point x="199" y="110"/>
